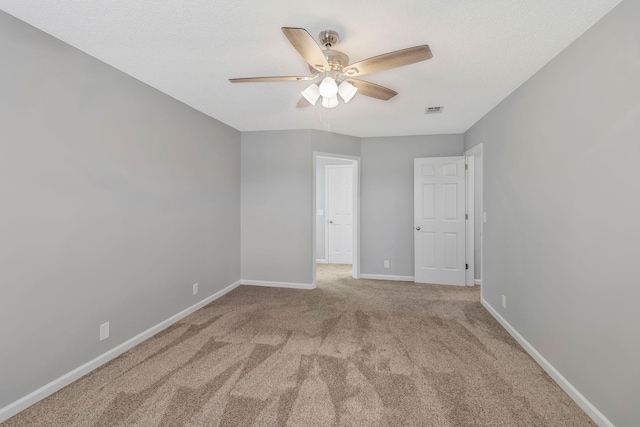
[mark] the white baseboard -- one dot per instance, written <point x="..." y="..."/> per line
<point x="387" y="277"/>
<point x="55" y="385"/>
<point x="593" y="412"/>
<point x="477" y="282"/>
<point x="322" y="261"/>
<point x="289" y="285"/>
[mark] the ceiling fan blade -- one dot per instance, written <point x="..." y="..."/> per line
<point x="373" y="90"/>
<point x="272" y="79"/>
<point x="307" y="47"/>
<point x="303" y="103"/>
<point x="389" y="60"/>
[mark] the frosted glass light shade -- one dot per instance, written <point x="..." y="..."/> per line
<point x="311" y="94"/>
<point x="328" y="88"/>
<point x="330" y="102"/>
<point x="347" y="91"/>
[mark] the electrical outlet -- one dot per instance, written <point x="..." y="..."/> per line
<point x="104" y="331"/>
<point x="195" y="288"/>
<point x="504" y="302"/>
<point x="386" y="263"/>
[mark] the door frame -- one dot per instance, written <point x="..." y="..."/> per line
<point x="475" y="158"/>
<point x="470" y="222"/>
<point x="326" y="204"/>
<point x="356" y="211"/>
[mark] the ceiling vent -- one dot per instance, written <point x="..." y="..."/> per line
<point x="433" y="110"/>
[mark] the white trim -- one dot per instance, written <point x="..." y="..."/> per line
<point x="289" y="285"/>
<point x="322" y="261"/>
<point x="475" y="151"/>
<point x="46" y="390"/>
<point x="326" y="214"/>
<point x="470" y="249"/>
<point x="355" y="272"/>
<point x="387" y="277"/>
<point x="593" y="412"/>
<point x="477" y="282"/>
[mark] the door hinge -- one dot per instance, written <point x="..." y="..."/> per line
<point x="466" y="266"/>
<point x="466" y="166"/>
<point x="466" y="216"/>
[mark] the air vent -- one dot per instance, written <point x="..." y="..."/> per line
<point x="433" y="110"/>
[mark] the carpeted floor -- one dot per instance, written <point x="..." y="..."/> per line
<point x="358" y="353"/>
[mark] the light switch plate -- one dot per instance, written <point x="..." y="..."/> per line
<point x="104" y="331"/>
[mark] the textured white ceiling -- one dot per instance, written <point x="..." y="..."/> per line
<point x="483" y="50"/>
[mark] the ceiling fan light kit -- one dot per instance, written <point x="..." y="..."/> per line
<point x="328" y="87"/>
<point x="330" y="102"/>
<point x="335" y="73"/>
<point x="329" y="90"/>
<point x="347" y="91"/>
<point x="311" y="94"/>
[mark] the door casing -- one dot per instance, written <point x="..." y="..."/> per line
<point x="356" y="211"/>
<point x="476" y="154"/>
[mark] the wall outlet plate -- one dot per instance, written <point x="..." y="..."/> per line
<point x="504" y="302"/>
<point x="195" y="288"/>
<point x="386" y="263"/>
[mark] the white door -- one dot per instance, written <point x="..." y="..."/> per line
<point x="339" y="215"/>
<point x="439" y="215"/>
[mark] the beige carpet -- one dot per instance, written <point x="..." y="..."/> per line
<point x="359" y="353"/>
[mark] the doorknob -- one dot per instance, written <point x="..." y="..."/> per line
<point x="330" y="221"/>
<point x="418" y="228"/>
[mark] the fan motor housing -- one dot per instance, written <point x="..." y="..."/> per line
<point x="337" y="60"/>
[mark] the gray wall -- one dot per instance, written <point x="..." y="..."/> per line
<point x="277" y="188"/>
<point x="320" y="202"/>
<point x="562" y="238"/>
<point x="386" y="198"/>
<point x="115" y="200"/>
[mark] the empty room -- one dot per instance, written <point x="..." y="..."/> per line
<point x="292" y="213"/>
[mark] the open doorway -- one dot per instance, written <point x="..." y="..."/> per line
<point x="336" y="212"/>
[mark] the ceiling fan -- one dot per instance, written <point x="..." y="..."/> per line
<point x="332" y="69"/>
